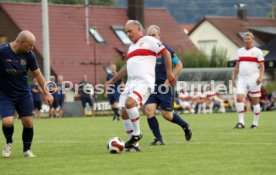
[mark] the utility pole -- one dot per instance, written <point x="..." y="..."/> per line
<point x="87" y="22"/>
<point x="45" y="40"/>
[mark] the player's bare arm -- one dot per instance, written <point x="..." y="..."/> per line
<point x="261" y="77"/>
<point x="118" y="76"/>
<point x="41" y="81"/>
<point x="235" y="74"/>
<point x="168" y="63"/>
<point x="176" y="71"/>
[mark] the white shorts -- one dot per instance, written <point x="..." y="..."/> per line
<point x="248" y="86"/>
<point x="185" y="104"/>
<point x="138" y="90"/>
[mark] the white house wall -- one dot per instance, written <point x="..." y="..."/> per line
<point x="207" y="32"/>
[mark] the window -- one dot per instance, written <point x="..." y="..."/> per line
<point x="96" y="35"/>
<point x="207" y="46"/>
<point x="119" y="30"/>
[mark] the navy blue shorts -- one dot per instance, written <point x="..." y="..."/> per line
<point x="164" y="101"/>
<point x="60" y="102"/>
<point x="86" y="99"/>
<point x="24" y="106"/>
<point x="55" y="103"/>
<point x="37" y="105"/>
<point x="112" y="98"/>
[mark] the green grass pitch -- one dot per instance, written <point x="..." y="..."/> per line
<point x="77" y="146"/>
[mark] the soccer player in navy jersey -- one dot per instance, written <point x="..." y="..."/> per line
<point x="163" y="94"/>
<point x="60" y="95"/>
<point x="113" y="92"/>
<point x="86" y="92"/>
<point x="16" y="58"/>
<point x="36" y="95"/>
<point x="53" y="108"/>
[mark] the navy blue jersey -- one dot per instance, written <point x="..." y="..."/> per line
<point x="160" y="68"/>
<point x="13" y="71"/>
<point x="115" y="87"/>
<point x="36" y="95"/>
<point x="85" y="88"/>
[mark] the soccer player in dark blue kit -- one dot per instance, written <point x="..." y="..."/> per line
<point x="86" y="92"/>
<point x="113" y="92"/>
<point x="53" y="108"/>
<point x="163" y="94"/>
<point x="16" y="58"/>
<point x="36" y="94"/>
<point x="60" y="95"/>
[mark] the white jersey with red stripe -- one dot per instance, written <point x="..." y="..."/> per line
<point x="141" y="59"/>
<point x="249" y="60"/>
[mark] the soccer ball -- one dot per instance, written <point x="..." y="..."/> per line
<point x="115" y="145"/>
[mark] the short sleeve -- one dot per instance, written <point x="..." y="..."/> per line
<point x="32" y="61"/>
<point x="174" y="57"/>
<point x="260" y="56"/>
<point x="155" y="45"/>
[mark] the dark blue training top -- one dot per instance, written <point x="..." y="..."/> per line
<point x="61" y="91"/>
<point x="115" y="87"/>
<point x="13" y="72"/>
<point x="160" y="68"/>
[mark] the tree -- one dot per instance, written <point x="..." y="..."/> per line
<point x="198" y="59"/>
<point x="272" y="14"/>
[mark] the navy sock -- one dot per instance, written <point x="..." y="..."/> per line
<point x="27" y="137"/>
<point x="116" y="112"/>
<point x="8" y="132"/>
<point x="154" y="126"/>
<point x="179" y="121"/>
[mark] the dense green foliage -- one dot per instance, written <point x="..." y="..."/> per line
<point x="195" y="59"/>
<point x="77" y="146"/>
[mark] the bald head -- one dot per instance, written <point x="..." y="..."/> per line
<point x="26" y="35"/>
<point x="24" y="42"/>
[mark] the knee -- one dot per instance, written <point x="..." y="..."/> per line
<point x="149" y="112"/>
<point x="167" y="115"/>
<point x="7" y="122"/>
<point x="130" y="103"/>
<point x="27" y="122"/>
<point x="239" y="99"/>
<point x="168" y="118"/>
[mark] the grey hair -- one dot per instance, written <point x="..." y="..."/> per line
<point x="136" y="23"/>
<point x="156" y="27"/>
<point x="248" y="34"/>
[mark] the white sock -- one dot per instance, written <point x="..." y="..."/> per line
<point x="256" y="110"/>
<point x="240" y="111"/>
<point x="128" y="127"/>
<point x="134" y="116"/>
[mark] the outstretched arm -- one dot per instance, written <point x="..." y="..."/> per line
<point x="118" y="76"/>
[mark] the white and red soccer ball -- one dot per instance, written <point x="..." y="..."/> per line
<point x="115" y="145"/>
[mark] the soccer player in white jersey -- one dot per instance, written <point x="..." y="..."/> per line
<point x="140" y="68"/>
<point x="249" y="73"/>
